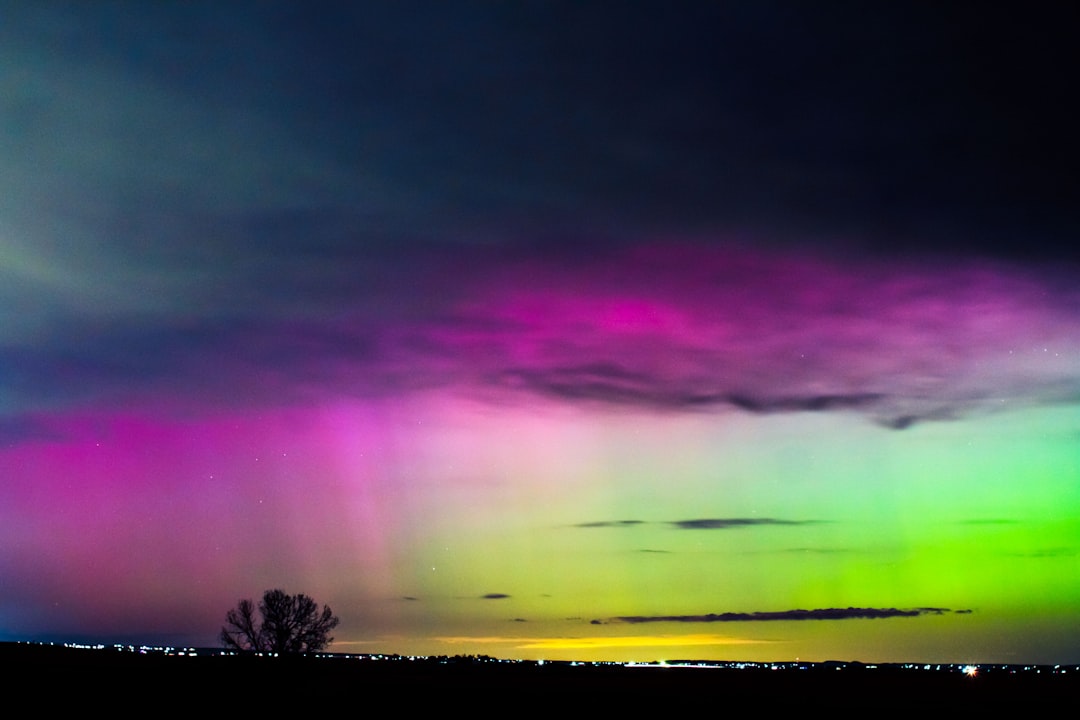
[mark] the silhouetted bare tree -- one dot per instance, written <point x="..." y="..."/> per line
<point x="289" y="624"/>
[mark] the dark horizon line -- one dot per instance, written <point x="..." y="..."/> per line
<point x="9" y="648"/>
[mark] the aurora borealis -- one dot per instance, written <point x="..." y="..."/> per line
<point x="724" y="331"/>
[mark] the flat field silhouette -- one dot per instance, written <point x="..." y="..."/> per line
<point x="86" y="677"/>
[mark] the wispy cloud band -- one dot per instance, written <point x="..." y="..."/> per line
<point x="700" y="523"/>
<point x="851" y="613"/>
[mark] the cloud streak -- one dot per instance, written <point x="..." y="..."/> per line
<point x="700" y="523"/>
<point x="726" y="523"/>
<point x="658" y="328"/>
<point x="850" y="613"/>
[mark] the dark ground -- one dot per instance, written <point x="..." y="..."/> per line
<point x="86" y="678"/>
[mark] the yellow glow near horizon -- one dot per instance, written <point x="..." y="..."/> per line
<point x="624" y="641"/>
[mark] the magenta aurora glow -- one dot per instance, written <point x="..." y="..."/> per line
<point x="736" y="331"/>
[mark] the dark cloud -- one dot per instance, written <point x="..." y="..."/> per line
<point x="902" y="422"/>
<point x="698" y="524"/>
<point x="272" y="205"/>
<point x="785" y="615"/>
<point x="1050" y="553"/>
<point x="494" y="596"/>
<point x="607" y="383"/>
<point x="613" y="384"/>
<point x="726" y="523"/>
<point x="810" y="403"/>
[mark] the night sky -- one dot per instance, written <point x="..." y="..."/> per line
<point x="563" y="330"/>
